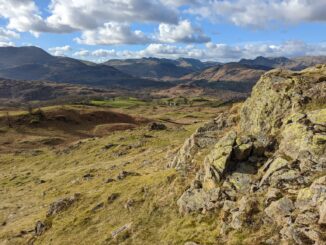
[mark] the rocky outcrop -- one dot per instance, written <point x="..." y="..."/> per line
<point x="278" y="94"/>
<point x="198" y="200"/>
<point x="62" y="204"/>
<point x="204" y="137"/>
<point x="218" y="162"/>
<point x="269" y="169"/>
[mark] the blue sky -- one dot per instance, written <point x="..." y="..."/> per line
<point x="222" y="30"/>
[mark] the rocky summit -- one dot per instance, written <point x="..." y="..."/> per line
<point x="261" y="169"/>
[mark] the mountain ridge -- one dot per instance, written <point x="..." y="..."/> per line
<point x="32" y="63"/>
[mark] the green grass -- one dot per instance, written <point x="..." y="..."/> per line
<point x="154" y="215"/>
<point x="119" y="102"/>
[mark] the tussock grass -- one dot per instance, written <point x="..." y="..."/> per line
<point x="31" y="179"/>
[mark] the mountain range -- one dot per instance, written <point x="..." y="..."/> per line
<point x="161" y="69"/>
<point x="32" y="63"/>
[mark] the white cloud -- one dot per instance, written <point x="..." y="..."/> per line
<point x="90" y="14"/>
<point x="112" y="33"/>
<point x="82" y="53"/>
<point x="6" y="35"/>
<point x="22" y="15"/>
<point x="116" y="33"/>
<point x="73" y="15"/>
<point x="7" y="44"/>
<point x="60" y="51"/>
<point x="226" y="52"/>
<point x="98" y="55"/>
<point x="184" y="32"/>
<point x="215" y="51"/>
<point x="104" y="53"/>
<point x="258" y="13"/>
<point x="108" y="21"/>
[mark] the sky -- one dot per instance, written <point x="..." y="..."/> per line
<point x="218" y="30"/>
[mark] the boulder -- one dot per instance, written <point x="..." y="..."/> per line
<point x="280" y="210"/>
<point x="263" y="144"/>
<point x="273" y="166"/>
<point x="272" y="195"/>
<point x="198" y="200"/>
<point x="62" y="204"/>
<point x="157" y="126"/>
<point x="300" y="140"/>
<point x="186" y="153"/>
<point x="312" y="196"/>
<point x="322" y="214"/>
<point x="293" y="235"/>
<point x="242" y="177"/>
<point x="40" y="228"/>
<point x="307" y="217"/>
<point x="242" y="149"/>
<point x="218" y="162"/>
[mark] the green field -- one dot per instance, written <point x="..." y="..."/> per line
<point x="119" y="102"/>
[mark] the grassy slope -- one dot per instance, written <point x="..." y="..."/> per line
<point x="154" y="214"/>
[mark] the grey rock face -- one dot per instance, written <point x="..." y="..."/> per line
<point x="218" y="161"/>
<point x="280" y="210"/>
<point x="269" y="169"/>
<point x="243" y="148"/>
<point x="198" y="200"/>
<point x="322" y="213"/>
<point x="272" y="195"/>
<point x="204" y="137"/>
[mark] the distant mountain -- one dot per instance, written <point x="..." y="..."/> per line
<point x="160" y="69"/>
<point x="242" y="76"/>
<point x="32" y="63"/>
<point x="297" y="64"/>
<point x="231" y="76"/>
<point x="267" y="62"/>
<point x="18" y="56"/>
<point x="300" y="63"/>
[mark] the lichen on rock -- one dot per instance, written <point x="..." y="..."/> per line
<point x="274" y="160"/>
